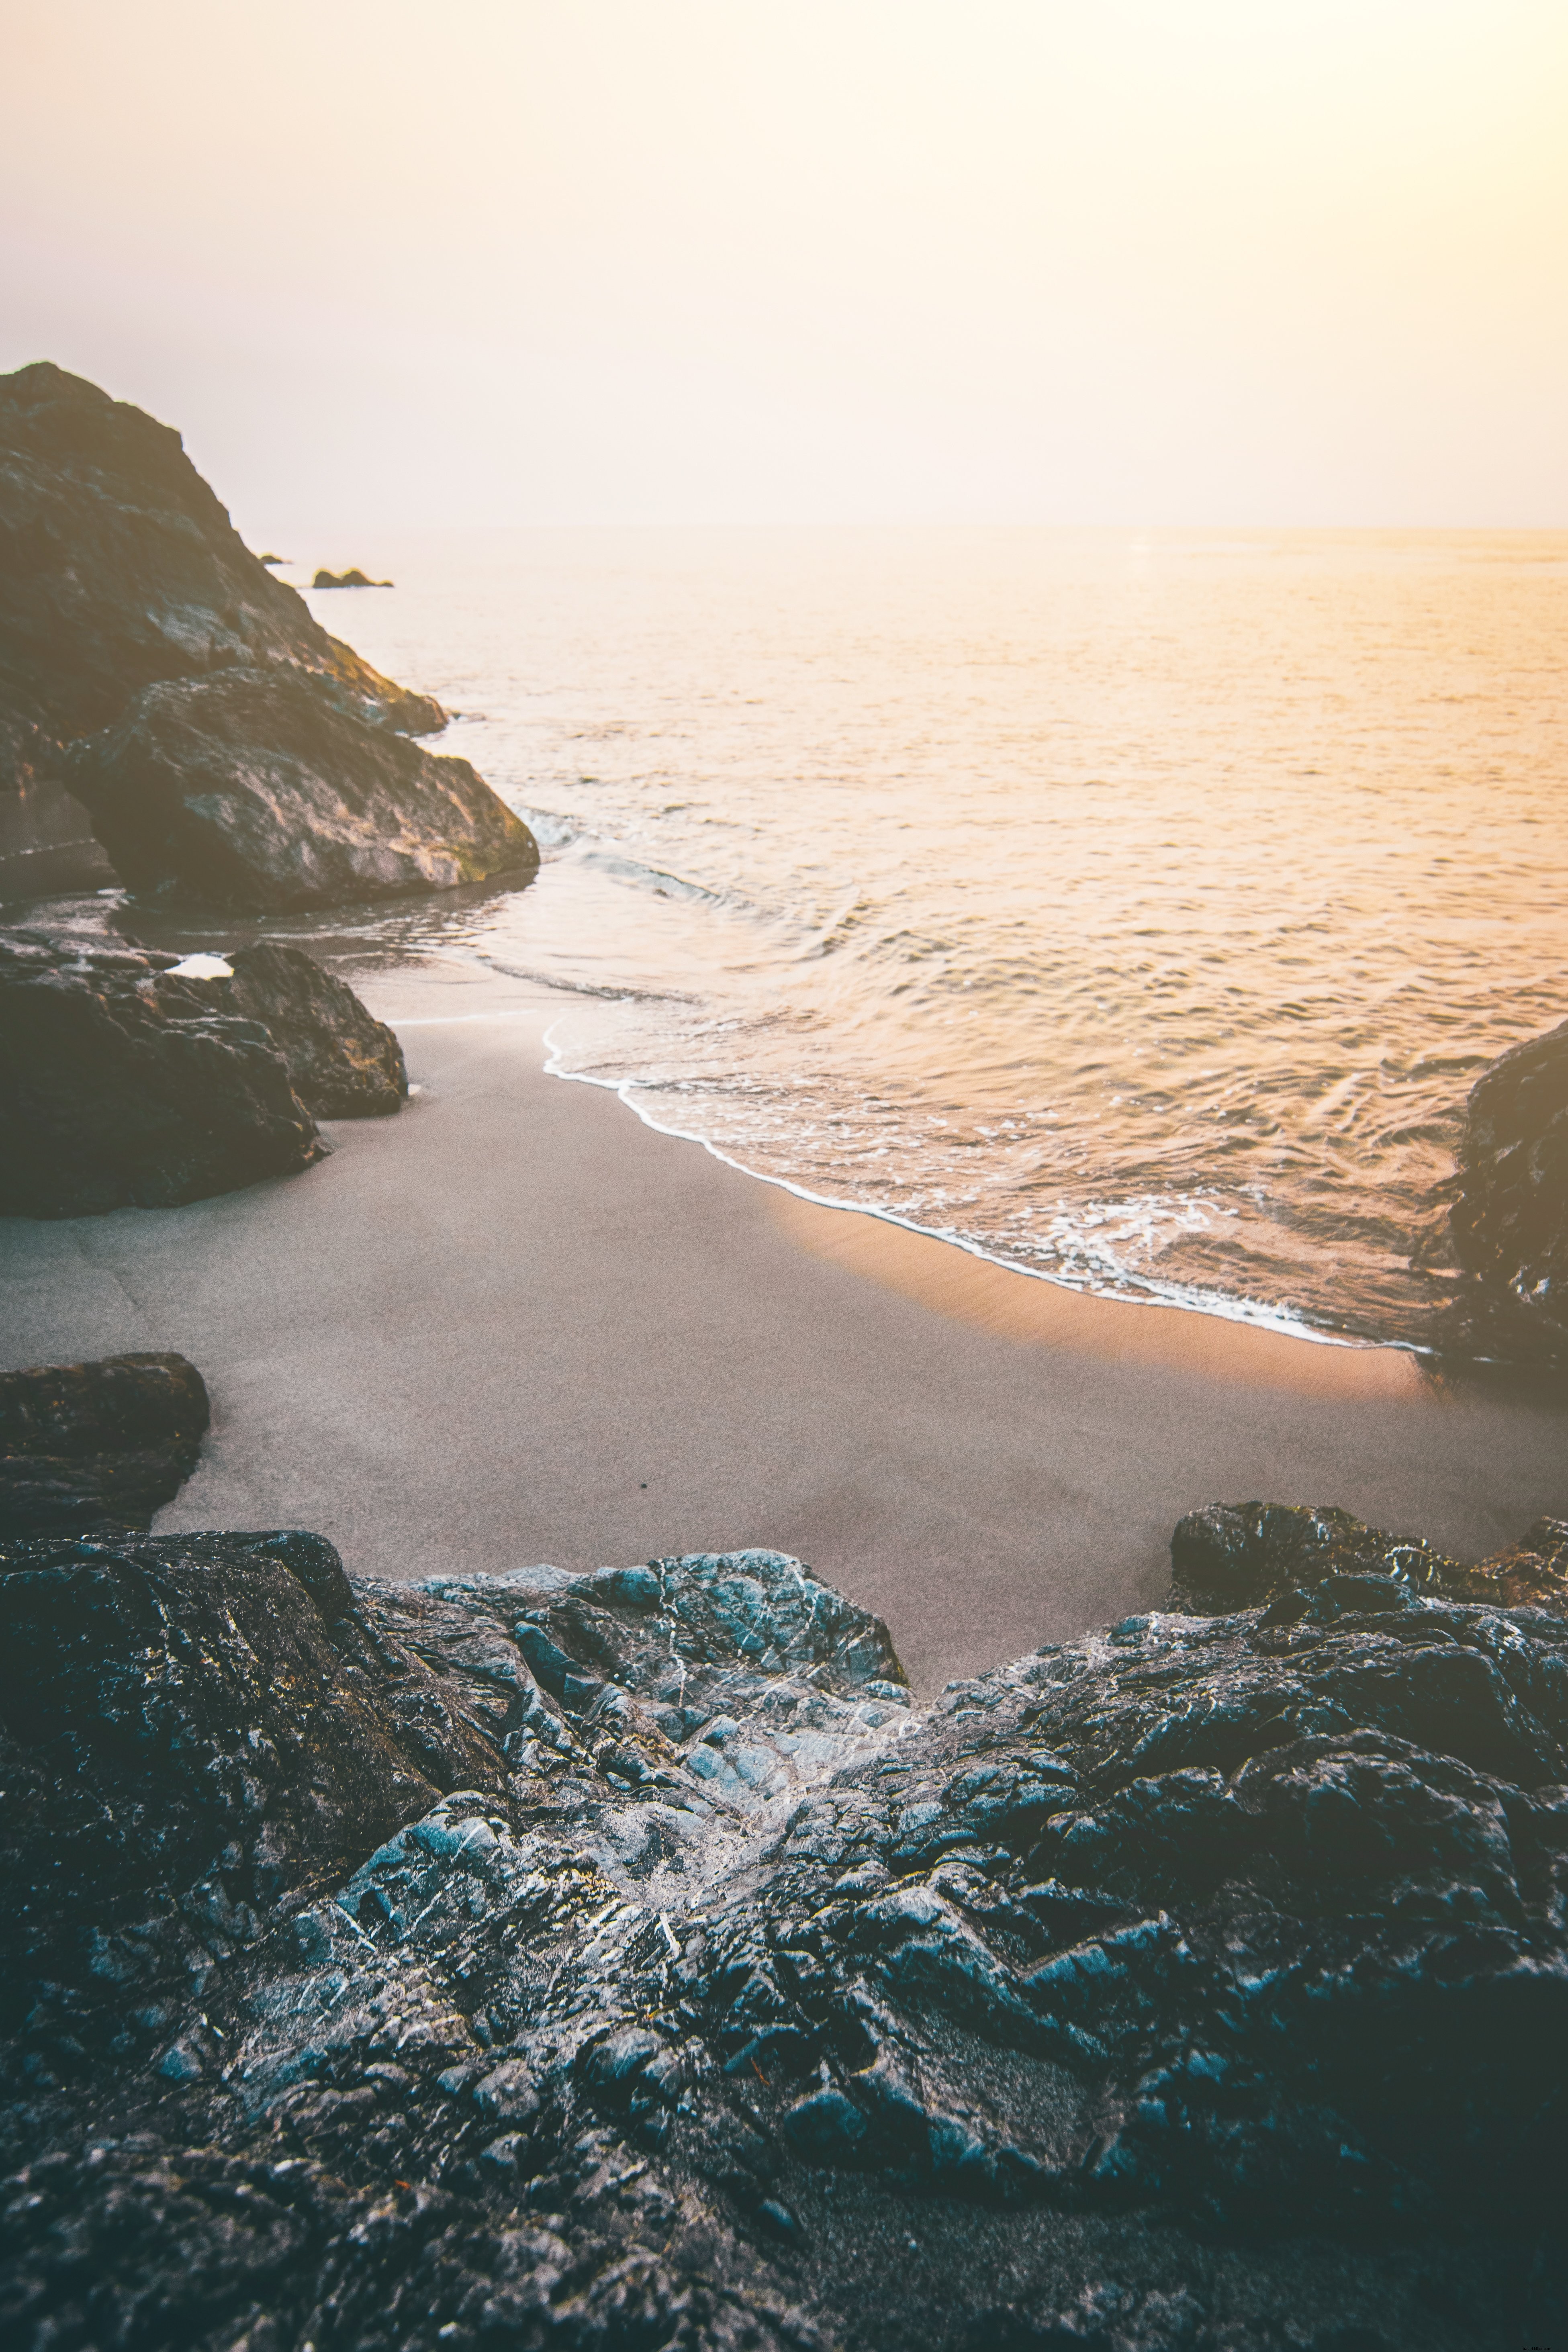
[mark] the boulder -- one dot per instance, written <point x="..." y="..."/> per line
<point x="1510" y="1216"/>
<point x="87" y="1447"/>
<point x="127" y="1081"/>
<point x="624" y="1958"/>
<point x="122" y="1086"/>
<point x="249" y="790"/>
<point x="341" y="1062"/>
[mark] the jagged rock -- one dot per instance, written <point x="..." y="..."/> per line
<point x="119" y="568"/>
<point x="123" y="1082"/>
<point x="86" y="1446"/>
<point x="341" y="1062"/>
<point x="128" y="603"/>
<point x="250" y="790"/>
<point x="1198" y="1987"/>
<point x="121" y="1085"/>
<point x="1509" y="1217"/>
<point x="46" y="841"/>
<point x="1235" y="1555"/>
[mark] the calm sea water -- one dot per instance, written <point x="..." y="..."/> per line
<point x="1136" y="909"/>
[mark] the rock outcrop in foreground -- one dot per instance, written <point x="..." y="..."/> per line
<point x="128" y="602"/>
<point x="624" y="1960"/>
<point x="1510" y="1220"/>
<point x="99" y="1446"/>
<point x="124" y="1082"/>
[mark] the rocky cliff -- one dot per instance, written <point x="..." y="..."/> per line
<point x="625" y="1960"/>
<point x="119" y="568"/>
<point x="124" y="589"/>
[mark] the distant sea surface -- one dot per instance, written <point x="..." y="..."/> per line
<point x="1134" y="908"/>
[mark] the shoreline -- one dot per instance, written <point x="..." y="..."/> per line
<point x="512" y="1326"/>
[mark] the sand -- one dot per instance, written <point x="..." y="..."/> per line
<point x="514" y="1325"/>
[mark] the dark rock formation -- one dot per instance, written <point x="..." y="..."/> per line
<point x="97" y="1447"/>
<point x="121" y="1087"/>
<point x="341" y="1062"/>
<point x="119" y="568"/>
<point x="621" y="1960"/>
<point x="125" y="1083"/>
<point x="127" y="600"/>
<point x="46" y="843"/>
<point x="353" y="578"/>
<point x="1510" y="1220"/>
<point x="1236" y="1555"/>
<point x="250" y="790"/>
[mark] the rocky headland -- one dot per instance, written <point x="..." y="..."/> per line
<point x="129" y="604"/>
<point x="624" y="1959"/>
<point x="126" y="1080"/>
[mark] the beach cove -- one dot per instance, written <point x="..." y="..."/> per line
<point x="516" y="1325"/>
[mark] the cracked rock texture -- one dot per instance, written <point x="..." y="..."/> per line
<point x="1509" y="1220"/>
<point x="624" y="1960"/>
<point x="343" y="1063"/>
<point x="96" y="1447"/>
<point x="125" y="1083"/>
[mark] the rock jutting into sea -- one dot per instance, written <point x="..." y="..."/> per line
<point x="127" y="1081"/>
<point x="250" y="790"/>
<point x="353" y="578"/>
<point x="1509" y="1218"/>
<point x="87" y="1448"/>
<point x="625" y="1960"/>
<point x="122" y="578"/>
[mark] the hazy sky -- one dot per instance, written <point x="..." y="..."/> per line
<point x="417" y="261"/>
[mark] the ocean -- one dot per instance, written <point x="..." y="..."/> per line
<point x="1134" y="908"/>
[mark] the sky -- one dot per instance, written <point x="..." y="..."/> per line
<point x="391" y="263"/>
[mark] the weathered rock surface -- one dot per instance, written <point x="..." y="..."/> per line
<point x="99" y="1445"/>
<point x="622" y="1960"/>
<point x="129" y="603"/>
<point x="1509" y="1218"/>
<point x="343" y="1062"/>
<point x="124" y="1083"/>
<point x="119" y="568"/>
<point x="1236" y="1555"/>
<point x="250" y="790"/>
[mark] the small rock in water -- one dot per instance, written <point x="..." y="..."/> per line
<point x="353" y="578"/>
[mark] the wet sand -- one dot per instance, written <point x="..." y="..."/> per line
<point x="513" y="1325"/>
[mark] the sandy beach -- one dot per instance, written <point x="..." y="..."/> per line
<point x="515" y="1324"/>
